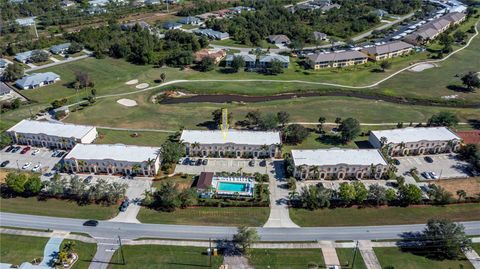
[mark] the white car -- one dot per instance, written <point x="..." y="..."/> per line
<point x="35" y="152"/>
<point x="433" y="175"/>
<point x="26" y="165"/>
<point x="36" y="168"/>
<point x="426" y="175"/>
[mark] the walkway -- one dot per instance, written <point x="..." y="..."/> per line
<point x="368" y="255"/>
<point x="135" y="192"/>
<point x="329" y="253"/>
<point x="474" y="258"/>
<point x="52" y="248"/>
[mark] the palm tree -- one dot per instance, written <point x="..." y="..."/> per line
<point x="265" y="148"/>
<point x="150" y="162"/>
<point x="461" y="194"/>
<point x="383" y="141"/>
<point x="136" y="167"/>
<point x="69" y="247"/>
<point x="292" y="195"/>
<point x="419" y="39"/>
<point x="240" y="170"/>
<point x="64" y="142"/>
<point x="163" y="77"/>
<point x="279" y="147"/>
<point x="315" y="169"/>
<point x="451" y="144"/>
<point x="195" y="145"/>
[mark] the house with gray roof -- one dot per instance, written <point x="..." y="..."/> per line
<point x="4" y="89"/>
<point x="320" y="36"/>
<point x="336" y="59"/>
<point x="212" y="34"/>
<point x="60" y="48"/>
<point x="24" y="57"/>
<point x="279" y="39"/>
<point x="433" y="29"/>
<point x="190" y="20"/>
<point x="3" y="64"/>
<point x="250" y="59"/>
<point x="171" y="25"/>
<point x="388" y="50"/>
<point x="142" y="24"/>
<point x="266" y="60"/>
<point x="36" y="80"/>
<point x="26" y="21"/>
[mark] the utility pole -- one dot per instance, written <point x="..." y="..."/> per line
<point x="210" y="252"/>
<point x="121" y="250"/>
<point x="354" y="254"/>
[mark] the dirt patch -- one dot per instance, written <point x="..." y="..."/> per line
<point x="142" y="86"/>
<point x="421" y="67"/>
<point x="127" y="102"/>
<point x="469" y="185"/>
<point x="132" y="82"/>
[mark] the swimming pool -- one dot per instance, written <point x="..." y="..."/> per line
<point x="231" y="186"/>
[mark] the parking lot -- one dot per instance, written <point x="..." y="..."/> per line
<point x="225" y="165"/>
<point x="18" y="160"/>
<point x="443" y="165"/>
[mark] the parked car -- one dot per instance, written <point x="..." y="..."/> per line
<point x="428" y="159"/>
<point x="124" y="205"/>
<point x="396" y="161"/>
<point x="251" y="163"/>
<point x="433" y="175"/>
<point x="9" y="148"/>
<point x="263" y="163"/>
<point x="186" y="161"/>
<point x="25" y="150"/>
<point x="426" y="175"/>
<point x="205" y="161"/>
<point x="36" y="168"/>
<point x="54" y="154"/>
<point x="87" y="180"/>
<point x="60" y="154"/>
<point x="180" y="161"/>
<point x="199" y="162"/>
<point x="92" y="223"/>
<point x="26" y="165"/>
<point x="192" y="162"/>
<point x="35" y="151"/>
<point x="15" y="149"/>
<point x="5" y="163"/>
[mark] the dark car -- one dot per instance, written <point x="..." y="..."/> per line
<point x="251" y="163"/>
<point x="428" y="159"/>
<point x="92" y="223"/>
<point x="15" y="149"/>
<point x="25" y="150"/>
<point x="396" y="161"/>
<point x="263" y="163"/>
<point x="124" y="205"/>
<point x="3" y="164"/>
<point x="199" y="162"/>
<point x="192" y="162"/>
<point x="186" y="161"/>
<point x="88" y="179"/>
<point x="61" y="154"/>
<point x="205" y="162"/>
<point x="10" y="148"/>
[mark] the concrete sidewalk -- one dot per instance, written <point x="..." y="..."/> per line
<point x="368" y="255"/>
<point x="329" y="253"/>
<point x="473" y="257"/>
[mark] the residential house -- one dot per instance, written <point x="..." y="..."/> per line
<point x="67" y="3"/>
<point x="250" y="59"/>
<point x="3" y="64"/>
<point x="142" y="24"/>
<point x="212" y="34"/>
<point x="433" y="29"/>
<point x="153" y="2"/>
<point x="36" y="80"/>
<point x="266" y="60"/>
<point x="326" y="8"/>
<point x="113" y="159"/>
<point x="26" y="21"/>
<point x="240" y="9"/>
<point x="171" y="25"/>
<point x="60" y="49"/>
<point x="24" y="57"/>
<point x="50" y="134"/>
<point x="336" y="59"/>
<point x="415" y="141"/>
<point x="338" y="163"/>
<point x="216" y="54"/>
<point x="320" y="36"/>
<point x="4" y="89"/>
<point x="279" y="39"/>
<point x="190" y="20"/>
<point x="232" y="143"/>
<point x="388" y="50"/>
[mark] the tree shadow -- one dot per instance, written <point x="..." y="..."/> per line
<point x="457" y="88"/>
<point x="474" y="123"/>
<point x="209" y="124"/>
<point x="328" y="139"/>
<point x="364" y="144"/>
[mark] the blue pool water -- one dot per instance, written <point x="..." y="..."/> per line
<point x="230" y="186"/>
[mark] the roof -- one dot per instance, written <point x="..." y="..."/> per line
<point x="51" y="128"/>
<point x="336" y="156"/>
<point x="23" y="56"/>
<point x="272" y="56"/>
<point x="470" y="137"/>
<point x="279" y="38"/>
<point x="319" y="35"/>
<point x="233" y="136"/>
<point x="117" y="152"/>
<point x="455" y="16"/>
<point x="36" y="79"/>
<point x="429" y="30"/>
<point x="246" y="57"/>
<point x="169" y="25"/>
<point x="3" y="63"/>
<point x="410" y="134"/>
<point x="212" y="33"/>
<point x="336" y="56"/>
<point x="204" y="180"/>
<point x="4" y="88"/>
<point x="388" y="48"/>
<point x="26" y="21"/>
<point x="189" y="20"/>
<point x="60" y="47"/>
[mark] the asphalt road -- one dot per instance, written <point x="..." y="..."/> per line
<point x="107" y="230"/>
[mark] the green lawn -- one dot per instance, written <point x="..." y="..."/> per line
<point x="286" y="258"/>
<point x="395" y="257"/>
<point x="384" y="215"/>
<point x="107" y="136"/>
<point x="345" y="256"/>
<point x="85" y="252"/>
<point x="16" y="249"/>
<point x="233" y="43"/>
<point x="219" y="216"/>
<point x="164" y="257"/>
<point x="56" y="208"/>
<point x="476" y="247"/>
<point x="184" y="181"/>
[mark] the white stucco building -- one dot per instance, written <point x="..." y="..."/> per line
<point x="415" y="141"/>
<point x="338" y="163"/>
<point x="52" y="135"/>
<point x="113" y="159"/>
<point x="234" y="143"/>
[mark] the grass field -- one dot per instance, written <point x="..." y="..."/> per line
<point x="16" y="249"/>
<point x="233" y="43"/>
<point x="384" y="215"/>
<point x="56" y="208"/>
<point x="181" y="182"/>
<point x="217" y="216"/>
<point x="395" y="257"/>
<point x="286" y="258"/>
<point x="476" y="247"/>
<point x="345" y="256"/>
<point x="85" y="253"/>
<point x="470" y="185"/>
<point x="152" y="139"/>
<point x="164" y="257"/>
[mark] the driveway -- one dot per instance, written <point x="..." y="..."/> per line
<point x="444" y="165"/>
<point x="224" y="165"/>
<point x="17" y="160"/>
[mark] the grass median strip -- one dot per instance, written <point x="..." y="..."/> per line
<point x="286" y="258"/>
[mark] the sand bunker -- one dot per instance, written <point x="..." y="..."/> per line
<point x="142" y="86"/>
<point x="421" y="67"/>
<point x="132" y="82"/>
<point x="127" y="102"/>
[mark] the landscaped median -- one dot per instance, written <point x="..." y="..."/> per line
<point x="354" y="216"/>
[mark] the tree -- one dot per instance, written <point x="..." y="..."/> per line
<point x="390" y="195"/>
<point x="166" y="198"/>
<point x="444" y="118"/>
<point x="171" y="152"/>
<point x="459" y="36"/>
<point x="295" y="133"/>
<point x="253" y="118"/>
<point x="39" y="56"/>
<point x="377" y="194"/>
<point x="439" y="195"/>
<point x="346" y="193"/>
<point x="217" y="117"/>
<point x="445" y="239"/>
<point x="268" y="122"/>
<point x="244" y="238"/>
<point x="385" y="65"/>
<point x="237" y="63"/>
<point x="321" y="121"/>
<point x="16" y="182"/>
<point x="349" y="129"/>
<point x="275" y="68"/>
<point x="361" y="192"/>
<point x="188" y="197"/>
<point x="471" y="80"/>
<point x="409" y="194"/>
<point x="313" y="197"/>
<point x="206" y="64"/>
<point x="471" y="154"/>
<point x="446" y="41"/>
<point x="83" y="79"/>
<point x="5" y="140"/>
<point x="33" y="185"/>
<point x="163" y="76"/>
<point x="75" y="47"/>
<point x="13" y="72"/>
<point x="461" y="194"/>
<point x="283" y="117"/>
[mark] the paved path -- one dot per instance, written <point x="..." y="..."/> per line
<point x="106" y="247"/>
<point x="474" y="258"/>
<point x="57" y="62"/>
<point x="135" y="193"/>
<point x="51" y="250"/>
<point x="279" y="216"/>
<point x="329" y="253"/>
<point x="237" y="262"/>
<point x="368" y="255"/>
